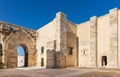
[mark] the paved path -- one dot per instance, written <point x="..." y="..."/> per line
<point x="66" y="72"/>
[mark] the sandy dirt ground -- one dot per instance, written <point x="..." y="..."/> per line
<point x="66" y="72"/>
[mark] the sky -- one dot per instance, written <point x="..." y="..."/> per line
<point x="20" y="51"/>
<point x="34" y="14"/>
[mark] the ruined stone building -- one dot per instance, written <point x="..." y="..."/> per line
<point x="61" y="43"/>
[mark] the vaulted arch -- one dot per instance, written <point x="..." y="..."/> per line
<point x="24" y="39"/>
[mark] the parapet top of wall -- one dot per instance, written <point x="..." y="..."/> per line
<point x="61" y="15"/>
<point x="113" y="10"/>
<point x="93" y="17"/>
<point x="4" y="26"/>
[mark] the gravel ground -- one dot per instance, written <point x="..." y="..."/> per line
<point x="66" y="72"/>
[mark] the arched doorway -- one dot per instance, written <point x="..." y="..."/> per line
<point x="24" y="38"/>
<point x="22" y="56"/>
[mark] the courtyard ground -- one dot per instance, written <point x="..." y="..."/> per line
<point x="66" y="72"/>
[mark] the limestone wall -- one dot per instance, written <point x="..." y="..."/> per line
<point x="93" y="42"/>
<point x="119" y="38"/>
<point x="102" y="34"/>
<point x="71" y="41"/>
<point x="103" y="39"/>
<point x="114" y="37"/>
<point x="45" y="37"/>
<point x="87" y="34"/>
<point x="1" y="41"/>
<point x="57" y="36"/>
<point x="50" y="58"/>
<point x="83" y="34"/>
<point x="66" y="37"/>
<point x="13" y="36"/>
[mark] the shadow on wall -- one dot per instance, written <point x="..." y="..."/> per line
<point x="50" y="58"/>
<point x="55" y="59"/>
<point x="60" y="59"/>
<point x="1" y="65"/>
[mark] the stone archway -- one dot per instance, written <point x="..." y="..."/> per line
<point x="28" y="43"/>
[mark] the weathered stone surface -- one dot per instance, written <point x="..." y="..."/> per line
<point x="114" y="37"/>
<point x="100" y="36"/>
<point x="12" y="39"/>
<point x="93" y="42"/>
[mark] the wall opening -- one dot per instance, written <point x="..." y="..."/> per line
<point x="42" y="50"/>
<point x="0" y="49"/>
<point x="22" y="56"/>
<point x="1" y="56"/>
<point x="70" y="50"/>
<point x="104" y="60"/>
<point x="42" y="62"/>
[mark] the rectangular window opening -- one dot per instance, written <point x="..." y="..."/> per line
<point x="70" y="50"/>
<point x="42" y="49"/>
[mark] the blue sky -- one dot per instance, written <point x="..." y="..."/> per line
<point x="20" y="51"/>
<point x="36" y="13"/>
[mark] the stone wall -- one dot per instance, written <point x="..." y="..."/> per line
<point x="71" y="60"/>
<point x="50" y="59"/>
<point x="119" y="38"/>
<point x="0" y="47"/>
<point x="93" y="42"/>
<point x="13" y="37"/>
<point x="45" y="38"/>
<point x="50" y="54"/>
<point x="114" y="37"/>
<point x="103" y="39"/>
<point x="58" y="39"/>
<point x="83" y="34"/>
<point x="66" y="36"/>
